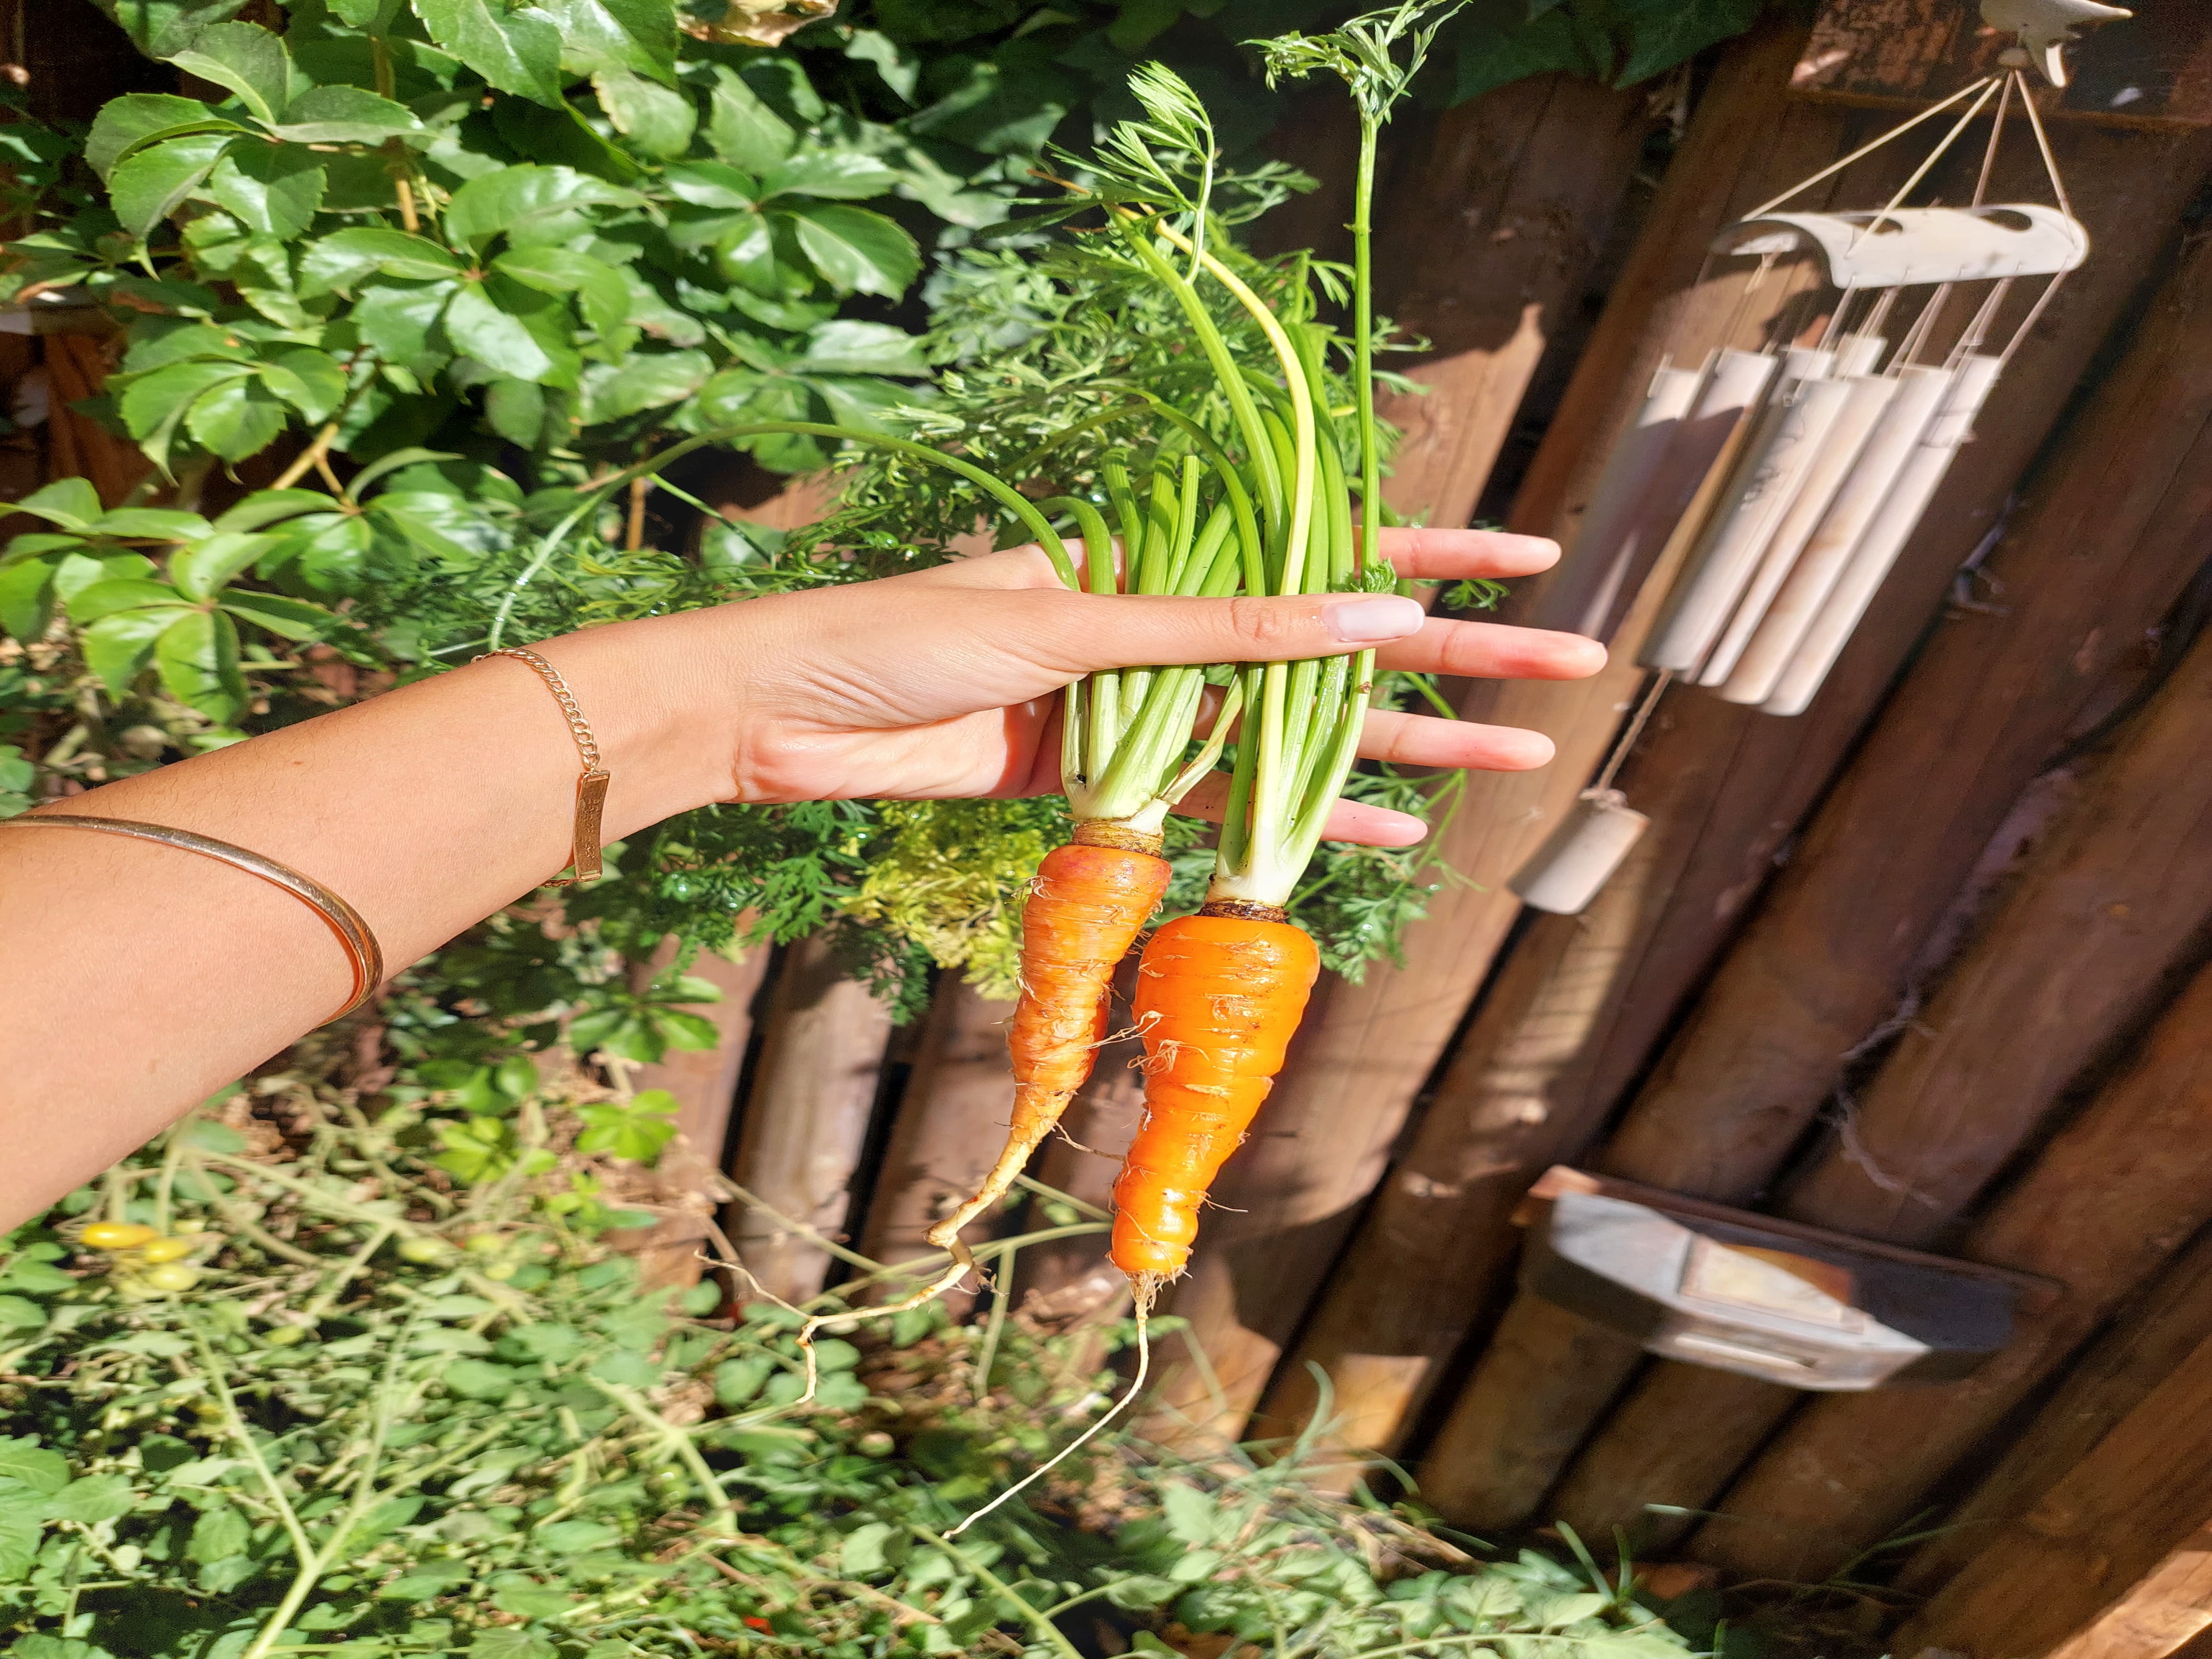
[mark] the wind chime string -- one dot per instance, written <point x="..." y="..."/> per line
<point x="2059" y="189"/>
<point x="1632" y="731"/>
<point x="1868" y="149"/>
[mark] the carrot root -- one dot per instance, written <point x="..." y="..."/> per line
<point x="1219" y="995"/>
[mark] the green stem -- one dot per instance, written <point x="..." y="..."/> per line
<point x="1050" y="1632"/>
<point x="1363" y="342"/>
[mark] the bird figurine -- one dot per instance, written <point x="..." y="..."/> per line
<point x="2045" y="29"/>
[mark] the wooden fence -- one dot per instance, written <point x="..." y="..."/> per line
<point x="1925" y="965"/>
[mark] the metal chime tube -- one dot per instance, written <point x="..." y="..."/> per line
<point x="1595" y="575"/>
<point x="1886" y="536"/>
<point x="1789" y="617"/>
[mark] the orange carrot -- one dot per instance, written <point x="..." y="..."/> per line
<point x="1219" y="996"/>
<point x="1085" y="908"/>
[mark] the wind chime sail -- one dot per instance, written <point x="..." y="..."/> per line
<point x="1768" y="493"/>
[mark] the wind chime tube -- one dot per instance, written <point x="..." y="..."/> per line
<point x="1578" y="858"/>
<point x="1886" y="536"/>
<point x="1705" y="444"/>
<point x="1593" y="575"/>
<point x="1919" y="392"/>
<point x="1781" y="452"/>
<point x="1864" y="398"/>
<point x="1858" y="354"/>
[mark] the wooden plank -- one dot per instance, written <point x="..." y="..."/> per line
<point x="951" y="1121"/>
<point x="805" y="1117"/>
<point x="1716" y="1120"/>
<point x="2141" y="1349"/>
<point x="2114" y="1562"/>
<point x="2112" y="1197"/>
<point x="688" y="1177"/>
<point x="2083" y="943"/>
<point x="1287" y="1201"/>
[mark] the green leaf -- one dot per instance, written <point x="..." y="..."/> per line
<point x="509" y="1642"/>
<point x="843" y="174"/>
<point x="635" y="35"/>
<point x="118" y="647"/>
<point x="273" y="191"/>
<point x="740" y="126"/>
<point x="23" y="1459"/>
<point x="147" y="186"/>
<point x="598" y="287"/>
<point x="337" y="262"/>
<point x="498" y="339"/>
<point x="238" y="418"/>
<point x="266" y="506"/>
<point x="154" y="406"/>
<point x="1664" y="33"/>
<point x="139" y="119"/>
<point x="857" y="250"/>
<point x="862" y="1554"/>
<point x="246" y="58"/>
<point x="91" y="1500"/>
<point x="197" y="656"/>
<point x="479" y="1379"/>
<point x="89" y="603"/>
<point x="163" y="523"/>
<point x="575" y="1537"/>
<point x="291" y="619"/>
<point x="845" y="347"/>
<point x="200" y="569"/>
<point x="400" y="321"/>
<point x="1190" y="1512"/>
<point x="658" y="121"/>
<point x="711" y="184"/>
<point x="505" y="200"/>
<point x="518" y="52"/>
<point x="26" y="598"/>
<point x="641" y="383"/>
<point x="159" y="27"/>
<point x="20" y="1529"/>
<point x="220" y="1533"/>
<point x="516" y="410"/>
<point x="72" y="503"/>
<point x="20" y="1314"/>
<point x="310" y="380"/>
<point x="634" y="1131"/>
<point x="344" y="115"/>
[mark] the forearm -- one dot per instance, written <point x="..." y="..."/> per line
<point x="135" y="980"/>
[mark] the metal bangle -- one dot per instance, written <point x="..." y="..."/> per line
<point x="584" y="856"/>
<point x="363" y="953"/>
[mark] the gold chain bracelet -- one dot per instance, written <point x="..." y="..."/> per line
<point x="363" y="953"/>
<point x="591" y="787"/>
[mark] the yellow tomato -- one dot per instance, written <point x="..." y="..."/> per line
<point x="117" y="1235"/>
<point x="172" y="1276"/>
<point x="165" y="1249"/>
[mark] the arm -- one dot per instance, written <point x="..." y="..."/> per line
<point x="135" y="980"/>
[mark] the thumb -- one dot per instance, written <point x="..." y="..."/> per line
<point x="1139" y="631"/>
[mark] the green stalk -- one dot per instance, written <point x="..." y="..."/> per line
<point x="1363" y="341"/>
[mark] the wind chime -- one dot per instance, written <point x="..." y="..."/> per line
<point x="1771" y="490"/>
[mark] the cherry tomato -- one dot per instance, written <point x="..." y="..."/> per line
<point x="420" y="1251"/>
<point x="165" y="1249"/>
<point x="172" y="1276"/>
<point x="117" y="1235"/>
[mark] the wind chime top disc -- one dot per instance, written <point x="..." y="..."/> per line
<point x="1900" y="246"/>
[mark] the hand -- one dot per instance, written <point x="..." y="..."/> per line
<point x="945" y="683"/>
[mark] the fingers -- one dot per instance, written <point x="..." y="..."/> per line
<point x="1079" y="633"/>
<point x="1348" y="820"/>
<point x="1435" y="555"/>
<point x="1494" y="651"/>
<point x="1425" y="740"/>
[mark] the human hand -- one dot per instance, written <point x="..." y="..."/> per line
<point x="944" y="683"/>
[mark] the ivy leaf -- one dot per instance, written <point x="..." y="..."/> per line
<point x="159" y="27"/>
<point x="637" y="35"/>
<point x="139" y="119"/>
<point x="711" y="184"/>
<point x="344" y="115"/>
<point x="166" y="523"/>
<point x="857" y="250"/>
<point x="498" y="339"/>
<point x="246" y="58"/>
<point x="399" y="322"/>
<point x="516" y="410"/>
<point x="72" y="503"/>
<point x="266" y="506"/>
<point x="273" y="189"/>
<point x="308" y="379"/>
<point x="846" y="347"/>
<point x="658" y="121"/>
<point x="197" y="656"/>
<point x="325" y="550"/>
<point x="335" y="263"/>
<point x="841" y="174"/>
<point x="200" y="569"/>
<point x="504" y="201"/>
<point x="238" y="418"/>
<point x="26" y="598"/>
<point x="118" y="647"/>
<point x="154" y="405"/>
<point x="290" y="619"/>
<point x="518" y="52"/>
<point x="643" y="383"/>
<point x="89" y="603"/>
<point x="1665" y="33"/>
<point x="598" y="287"/>
<point x="741" y="127"/>
<point x="147" y="186"/>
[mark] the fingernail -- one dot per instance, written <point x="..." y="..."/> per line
<point x="1370" y="621"/>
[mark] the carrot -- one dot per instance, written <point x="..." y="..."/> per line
<point x="1088" y="901"/>
<point x="1219" y="996"/>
